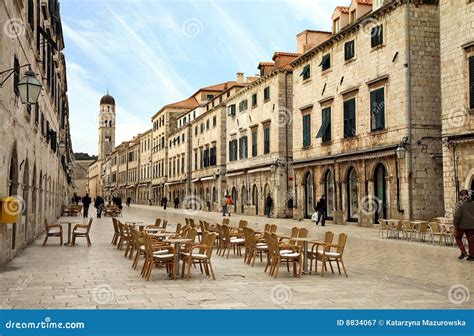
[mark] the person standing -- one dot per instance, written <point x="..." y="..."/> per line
<point x="164" y="202"/>
<point x="224" y="205"/>
<point x="268" y="205"/>
<point x="229" y="203"/>
<point x="99" y="205"/>
<point x="464" y="224"/>
<point x="176" y="202"/>
<point x="129" y="201"/>
<point x="86" y="201"/>
<point x="321" y="208"/>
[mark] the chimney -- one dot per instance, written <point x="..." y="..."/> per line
<point x="309" y="39"/>
<point x="240" y="77"/>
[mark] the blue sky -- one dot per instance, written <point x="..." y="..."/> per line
<point x="149" y="53"/>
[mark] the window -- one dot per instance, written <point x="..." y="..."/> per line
<point x="206" y="158"/>
<point x="307" y="130"/>
<point x="266" y="140"/>
<point x="213" y="159"/>
<point x="349" y="118"/>
<point x="207" y="124"/>
<point x="37" y="114"/>
<point x="353" y="16"/>
<point x="233" y="150"/>
<point x="243" y="105"/>
<point x="195" y="160"/>
<point x="195" y="130"/>
<point x="31" y="15"/>
<point x="325" y="130"/>
<point x="336" y="26"/>
<point x="254" y="100"/>
<point x="231" y="110"/>
<point x="349" y="50"/>
<point x="243" y="148"/>
<point x="214" y="121"/>
<point x="326" y="62"/>
<point x="202" y="128"/>
<point x="16" y="75"/>
<point x="471" y="82"/>
<point x="377" y="109"/>
<point x="254" y="143"/>
<point x="266" y="94"/>
<point x="376" y="36"/>
<point x="306" y="73"/>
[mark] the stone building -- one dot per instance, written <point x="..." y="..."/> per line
<point x="259" y="140"/>
<point x="37" y="164"/>
<point x="95" y="182"/>
<point x="359" y="97"/>
<point x="133" y="164"/>
<point x="122" y="170"/>
<point x="81" y="180"/>
<point x="144" y="182"/>
<point x="457" y="91"/>
<point x="208" y="149"/>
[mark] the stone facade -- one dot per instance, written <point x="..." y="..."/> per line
<point x="37" y="163"/>
<point x="144" y="177"/>
<point x="81" y="177"/>
<point x="457" y="91"/>
<point x="259" y="133"/>
<point x="357" y="167"/>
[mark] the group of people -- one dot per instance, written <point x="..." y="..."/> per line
<point x="99" y="203"/>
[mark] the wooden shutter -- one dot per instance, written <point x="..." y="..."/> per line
<point x="306" y="130"/>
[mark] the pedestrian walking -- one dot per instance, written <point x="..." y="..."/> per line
<point x="321" y="208"/>
<point x="176" y="202"/>
<point x="99" y="205"/>
<point x="268" y="205"/>
<point x="224" y="205"/>
<point x="129" y="201"/>
<point x="164" y="202"/>
<point x="464" y="224"/>
<point x="86" y="202"/>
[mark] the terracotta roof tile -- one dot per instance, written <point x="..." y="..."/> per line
<point x="283" y="53"/>
<point x="364" y="2"/>
<point x="189" y="103"/>
<point x="342" y="9"/>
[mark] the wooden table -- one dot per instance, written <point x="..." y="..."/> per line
<point x="176" y="242"/>
<point x="140" y="225"/>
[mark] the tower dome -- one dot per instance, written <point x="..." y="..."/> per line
<point x="107" y="100"/>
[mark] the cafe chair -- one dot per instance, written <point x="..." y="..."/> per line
<point x="53" y="230"/>
<point x="81" y="230"/>
<point x="329" y="256"/>
<point x="202" y="256"/>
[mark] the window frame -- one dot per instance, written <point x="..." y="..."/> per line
<point x="373" y="94"/>
<point x="266" y="140"/>
<point x="376" y="39"/>
<point x="306" y="121"/>
<point x="350" y="127"/>
<point x="349" y="43"/>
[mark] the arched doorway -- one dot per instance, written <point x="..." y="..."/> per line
<point x="352" y="195"/>
<point x="308" y="185"/>
<point x="255" y="198"/>
<point x="380" y="192"/>
<point x="244" y="199"/>
<point x="13" y="187"/>
<point x="234" y="198"/>
<point x="329" y="192"/>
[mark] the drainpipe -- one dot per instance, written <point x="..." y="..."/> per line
<point x="409" y="108"/>
<point x="286" y="143"/>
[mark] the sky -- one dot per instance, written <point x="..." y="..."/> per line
<point x="149" y="53"/>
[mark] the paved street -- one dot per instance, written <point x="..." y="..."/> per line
<point x="382" y="274"/>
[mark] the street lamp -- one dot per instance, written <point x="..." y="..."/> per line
<point x="401" y="149"/>
<point x="61" y="148"/>
<point x="29" y="88"/>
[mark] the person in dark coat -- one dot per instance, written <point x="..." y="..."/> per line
<point x="99" y="205"/>
<point x="322" y="209"/>
<point x="464" y="223"/>
<point x="119" y="202"/>
<point x="86" y="202"/>
<point x="268" y="205"/>
<point x="176" y="202"/>
<point x="164" y="202"/>
<point x="129" y="201"/>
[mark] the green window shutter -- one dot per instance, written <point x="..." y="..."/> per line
<point x="306" y="130"/>
<point x="349" y="118"/>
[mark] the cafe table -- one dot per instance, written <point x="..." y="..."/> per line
<point x="69" y="232"/>
<point x="305" y="251"/>
<point x="176" y="242"/>
<point x="138" y="224"/>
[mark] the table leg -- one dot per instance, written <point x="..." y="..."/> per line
<point x="305" y="258"/>
<point x="176" y="249"/>
<point x="68" y="235"/>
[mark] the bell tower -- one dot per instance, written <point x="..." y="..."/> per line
<point x="106" y="126"/>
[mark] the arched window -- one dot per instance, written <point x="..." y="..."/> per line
<point x="254" y="195"/>
<point x="329" y="191"/>
<point x="352" y="195"/>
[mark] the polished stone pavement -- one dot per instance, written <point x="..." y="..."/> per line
<point x="383" y="273"/>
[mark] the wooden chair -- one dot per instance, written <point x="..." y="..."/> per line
<point x="228" y="242"/>
<point x="329" y="256"/>
<point x="225" y="221"/>
<point x="408" y="228"/>
<point x="435" y="231"/>
<point x="273" y="228"/>
<point x="421" y="230"/>
<point x="65" y="211"/>
<point x="161" y="255"/>
<point x="242" y="224"/>
<point x="116" y="235"/>
<point x="276" y="256"/>
<point x="138" y="246"/>
<point x="53" y="230"/>
<point x="318" y="248"/>
<point x="294" y="234"/>
<point x="252" y="248"/>
<point x="124" y="238"/>
<point x="128" y="231"/>
<point x="81" y="230"/>
<point x="202" y="256"/>
<point x="384" y="226"/>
